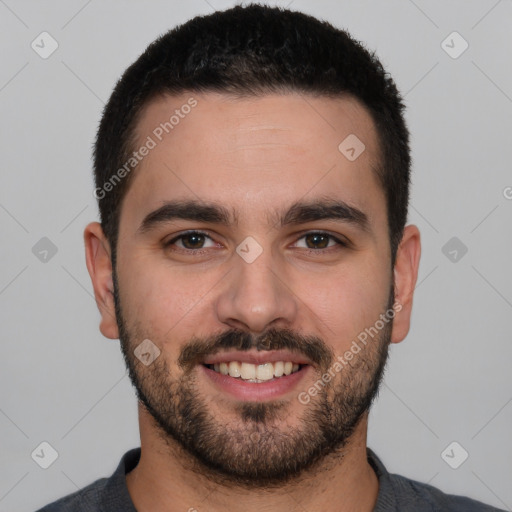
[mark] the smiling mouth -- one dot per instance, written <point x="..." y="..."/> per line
<point x="256" y="373"/>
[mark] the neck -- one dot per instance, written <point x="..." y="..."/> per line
<point x="166" y="479"/>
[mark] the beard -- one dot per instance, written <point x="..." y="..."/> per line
<point x="258" y="449"/>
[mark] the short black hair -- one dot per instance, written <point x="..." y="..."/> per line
<point x="254" y="50"/>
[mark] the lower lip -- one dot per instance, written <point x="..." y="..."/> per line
<point x="254" y="391"/>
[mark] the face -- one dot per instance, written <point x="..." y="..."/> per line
<point x="253" y="254"/>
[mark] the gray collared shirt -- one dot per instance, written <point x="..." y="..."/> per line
<point x="396" y="493"/>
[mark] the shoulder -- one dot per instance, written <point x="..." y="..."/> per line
<point x="397" y="493"/>
<point x="104" y="494"/>
<point x="85" y="500"/>
<point x="415" y="494"/>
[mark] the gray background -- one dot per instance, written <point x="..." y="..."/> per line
<point x="450" y="380"/>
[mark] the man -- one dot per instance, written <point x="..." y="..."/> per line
<point x="252" y="171"/>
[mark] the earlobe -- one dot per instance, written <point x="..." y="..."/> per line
<point x="405" y="276"/>
<point x="99" y="265"/>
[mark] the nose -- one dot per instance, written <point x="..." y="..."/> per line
<point x="256" y="296"/>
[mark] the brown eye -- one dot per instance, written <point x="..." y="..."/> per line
<point x="317" y="240"/>
<point x="192" y="240"/>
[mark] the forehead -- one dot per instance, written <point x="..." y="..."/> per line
<point x="255" y="152"/>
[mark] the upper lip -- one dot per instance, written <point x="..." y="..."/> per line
<point x="261" y="357"/>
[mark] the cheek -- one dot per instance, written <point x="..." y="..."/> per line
<point x="347" y="301"/>
<point x="162" y="300"/>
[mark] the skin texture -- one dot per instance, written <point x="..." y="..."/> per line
<point x="256" y="157"/>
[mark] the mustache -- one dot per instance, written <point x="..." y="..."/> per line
<point x="313" y="347"/>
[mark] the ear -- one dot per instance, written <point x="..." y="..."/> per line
<point x="99" y="265"/>
<point x="405" y="276"/>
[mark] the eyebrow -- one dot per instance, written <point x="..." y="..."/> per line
<point x="329" y="209"/>
<point x="186" y="210"/>
<point x="299" y="213"/>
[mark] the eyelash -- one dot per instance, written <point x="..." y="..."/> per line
<point x="339" y="243"/>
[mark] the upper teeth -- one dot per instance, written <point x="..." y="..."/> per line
<point x="256" y="372"/>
